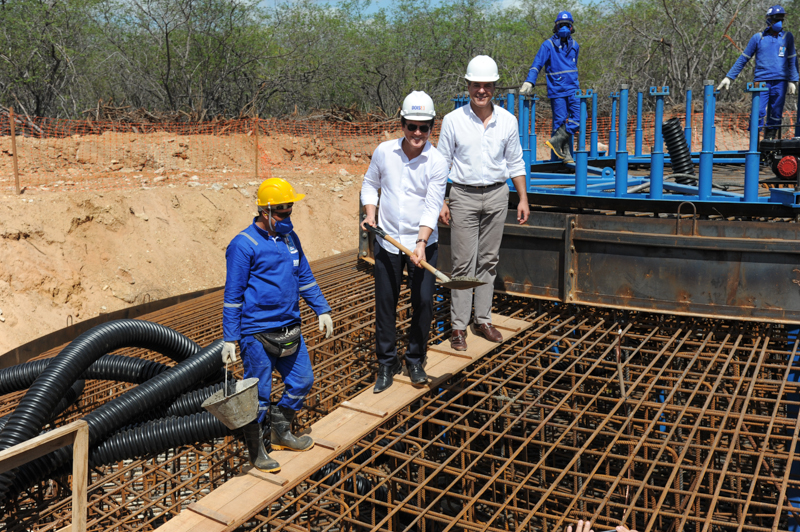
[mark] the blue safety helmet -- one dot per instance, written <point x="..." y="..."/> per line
<point x="564" y="18"/>
<point x="775" y="13"/>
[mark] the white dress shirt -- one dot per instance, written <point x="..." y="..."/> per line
<point x="481" y="155"/>
<point x="412" y="192"/>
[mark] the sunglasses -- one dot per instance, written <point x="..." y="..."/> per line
<point x="413" y="127"/>
<point x="282" y="207"/>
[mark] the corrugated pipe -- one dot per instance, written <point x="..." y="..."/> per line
<point x="679" y="155"/>
<point x="44" y="394"/>
<point x="107" y="367"/>
<point x="115" y="414"/>
<point x="158" y="436"/>
<point x="70" y="397"/>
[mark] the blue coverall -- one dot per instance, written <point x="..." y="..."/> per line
<point x="776" y="64"/>
<point x="265" y="278"/>
<point x="561" y="61"/>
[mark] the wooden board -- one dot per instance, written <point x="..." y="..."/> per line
<point x="240" y="498"/>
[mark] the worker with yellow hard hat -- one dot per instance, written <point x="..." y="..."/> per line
<point x="267" y="273"/>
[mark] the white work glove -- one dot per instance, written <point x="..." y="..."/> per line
<point x="792" y="87"/>
<point x="229" y="353"/>
<point x="325" y="322"/>
<point x="526" y="89"/>
<point x="724" y="84"/>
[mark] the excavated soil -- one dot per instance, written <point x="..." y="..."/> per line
<point x="96" y="230"/>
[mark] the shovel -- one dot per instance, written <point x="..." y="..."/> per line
<point x="456" y="283"/>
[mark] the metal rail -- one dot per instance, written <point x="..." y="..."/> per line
<point x="662" y="422"/>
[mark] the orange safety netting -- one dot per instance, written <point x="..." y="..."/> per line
<point x="57" y="154"/>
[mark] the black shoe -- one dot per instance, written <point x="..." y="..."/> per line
<point x="259" y="458"/>
<point x="556" y="142"/>
<point x="281" y="434"/>
<point x="385" y="376"/>
<point x="417" y="374"/>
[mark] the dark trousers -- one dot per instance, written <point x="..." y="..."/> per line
<point x="388" y="278"/>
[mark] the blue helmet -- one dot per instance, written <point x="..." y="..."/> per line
<point x="774" y="10"/>
<point x="564" y="18"/>
<point x="774" y="19"/>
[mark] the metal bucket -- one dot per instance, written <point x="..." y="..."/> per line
<point x="237" y="409"/>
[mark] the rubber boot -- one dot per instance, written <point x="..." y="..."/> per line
<point x="556" y="142"/>
<point x="254" y="439"/>
<point x="282" y="437"/>
<point x="566" y="148"/>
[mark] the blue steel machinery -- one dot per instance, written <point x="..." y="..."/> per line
<point x="599" y="235"/>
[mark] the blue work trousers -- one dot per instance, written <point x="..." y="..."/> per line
<point x="566" y="110"/>
<point x="295" y="370"/>
<point x="771" y="112"/>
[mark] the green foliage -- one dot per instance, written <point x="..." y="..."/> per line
<point x="228" y="57"/>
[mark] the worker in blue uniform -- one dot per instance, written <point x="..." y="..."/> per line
<point x="559" y="56"/>
<point x="267" y="273"/>
<point x="776" y="64"/>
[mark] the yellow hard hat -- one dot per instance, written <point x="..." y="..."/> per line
<point x="275" y="191"/>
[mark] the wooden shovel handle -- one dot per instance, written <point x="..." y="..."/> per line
<point x="381" y="233"/>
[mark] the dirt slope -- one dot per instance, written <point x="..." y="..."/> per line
<point x="71" y="255"/>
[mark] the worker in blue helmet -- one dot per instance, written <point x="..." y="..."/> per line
<point x="559" y="56"/>
<point x="776" y="64"/>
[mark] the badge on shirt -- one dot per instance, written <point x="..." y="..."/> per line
<point x="781" y="51"/>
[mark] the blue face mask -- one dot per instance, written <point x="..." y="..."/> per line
<point x="564" y="32"/>
<point x="283" y="227"/>
<point x="777" y="26"/>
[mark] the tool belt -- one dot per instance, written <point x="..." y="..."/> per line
<point x="281" y="342"/>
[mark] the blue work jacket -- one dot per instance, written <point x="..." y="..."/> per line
<point x="776" y="57"/>
<point x="266" y="277"/>
<point x="561" y="61"/>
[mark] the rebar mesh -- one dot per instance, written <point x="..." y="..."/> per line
<point x="659" y="422"/>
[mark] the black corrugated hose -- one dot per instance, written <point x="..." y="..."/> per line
<point x="70" y="397"/>
<point x="158" y="436"/>
<point x="107" y="368"/>
<point x="39" y="402"/>
<point x="191" y="402"/>
<point x="109" y="417"/>
<point x="66" y="367"/>
<point x="184" y="405"/>
<point x="679" y="155"/>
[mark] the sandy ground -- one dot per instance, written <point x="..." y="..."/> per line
<point x="117" y="219"/>
<point x="71" y="255"/>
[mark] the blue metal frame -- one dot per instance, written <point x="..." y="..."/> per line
<point x="591" y="175"/>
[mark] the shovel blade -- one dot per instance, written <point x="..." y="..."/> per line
<point x="462" y="283"/>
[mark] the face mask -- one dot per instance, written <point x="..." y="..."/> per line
<point x="564" y="32"/>
<point x="283" y="227"/>
<point x="777" y="26"/>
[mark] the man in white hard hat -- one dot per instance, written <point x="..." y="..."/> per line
<point x="411" y="176"/>
<point x="481" y="141"/>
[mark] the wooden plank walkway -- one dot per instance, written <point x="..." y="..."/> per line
<point x="233" y="503"/>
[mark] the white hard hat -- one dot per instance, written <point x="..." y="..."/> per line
<point x="418" y="106"/>
<point x="482" y="68"/>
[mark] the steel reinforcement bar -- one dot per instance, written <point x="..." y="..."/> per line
<point x="660" y="422"/>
